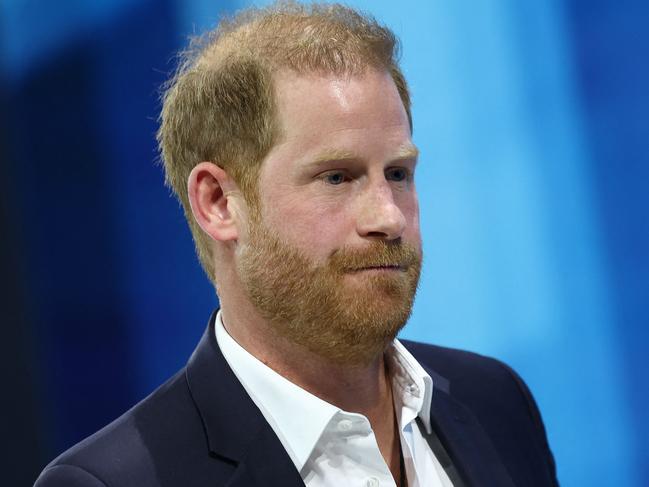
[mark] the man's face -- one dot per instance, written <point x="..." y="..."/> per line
<point x="332" y="257"/>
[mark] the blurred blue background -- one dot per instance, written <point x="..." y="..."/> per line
<point x="532" y="118"/>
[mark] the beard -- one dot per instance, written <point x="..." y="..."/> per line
<point x="336" y="310"/>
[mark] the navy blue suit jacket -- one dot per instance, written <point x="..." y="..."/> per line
<point x="201" y="428"/>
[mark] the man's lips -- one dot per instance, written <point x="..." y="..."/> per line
<point x="390" y="267"/>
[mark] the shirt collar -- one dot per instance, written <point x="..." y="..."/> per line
<point x="298" y="417"/>
<point x="412" y="386"/>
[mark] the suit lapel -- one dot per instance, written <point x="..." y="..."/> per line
<point x="467" y="444"/>
<point x="266" y="464"/>
<point x="236" y="430"/>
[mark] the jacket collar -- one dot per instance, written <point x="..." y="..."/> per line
<point x="467" y="444"/>
<point x="235" y="428"/>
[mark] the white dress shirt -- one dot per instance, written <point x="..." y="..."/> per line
<point x="331" y="447"/>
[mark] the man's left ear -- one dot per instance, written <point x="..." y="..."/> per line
<point x="213" y="197"/>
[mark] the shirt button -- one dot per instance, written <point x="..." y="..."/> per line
<point x="345" y="425"/>
<point x="372" y="482"/>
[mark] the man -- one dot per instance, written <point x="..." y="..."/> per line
<point x="287" y="136"/>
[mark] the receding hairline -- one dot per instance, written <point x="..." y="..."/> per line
<point x="325" y="37"/>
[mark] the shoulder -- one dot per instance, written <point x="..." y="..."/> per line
<point x="496" y="396"/>
<point x="479" y="381"/>
<point x="132" y="449"/>
<point x="465" y="370"/>
<point x="447" y="360"/>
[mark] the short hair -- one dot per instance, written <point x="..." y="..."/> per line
<point x="220" y="107"/>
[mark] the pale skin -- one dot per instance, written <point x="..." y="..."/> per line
<point x="341" y="175"/>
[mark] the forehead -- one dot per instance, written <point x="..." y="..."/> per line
<point x="348" y="113"/>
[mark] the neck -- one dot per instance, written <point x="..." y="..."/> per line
<point x="358" y="388"/>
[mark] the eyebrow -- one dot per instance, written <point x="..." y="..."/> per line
<point x="405" y="151"/>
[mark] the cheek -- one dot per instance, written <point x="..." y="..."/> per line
<point x="308" y="222"/>
<point x="409" y="205"/>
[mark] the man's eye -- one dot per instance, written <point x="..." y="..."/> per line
<point x="396" y="174"/>
<point x="335" y="178"/>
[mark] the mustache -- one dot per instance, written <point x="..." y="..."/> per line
<point x="377" y="254"/>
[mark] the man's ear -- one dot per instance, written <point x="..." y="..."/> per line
<point x="212" y="195"/>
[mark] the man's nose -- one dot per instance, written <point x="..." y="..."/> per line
<point x="379" y="216"/>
